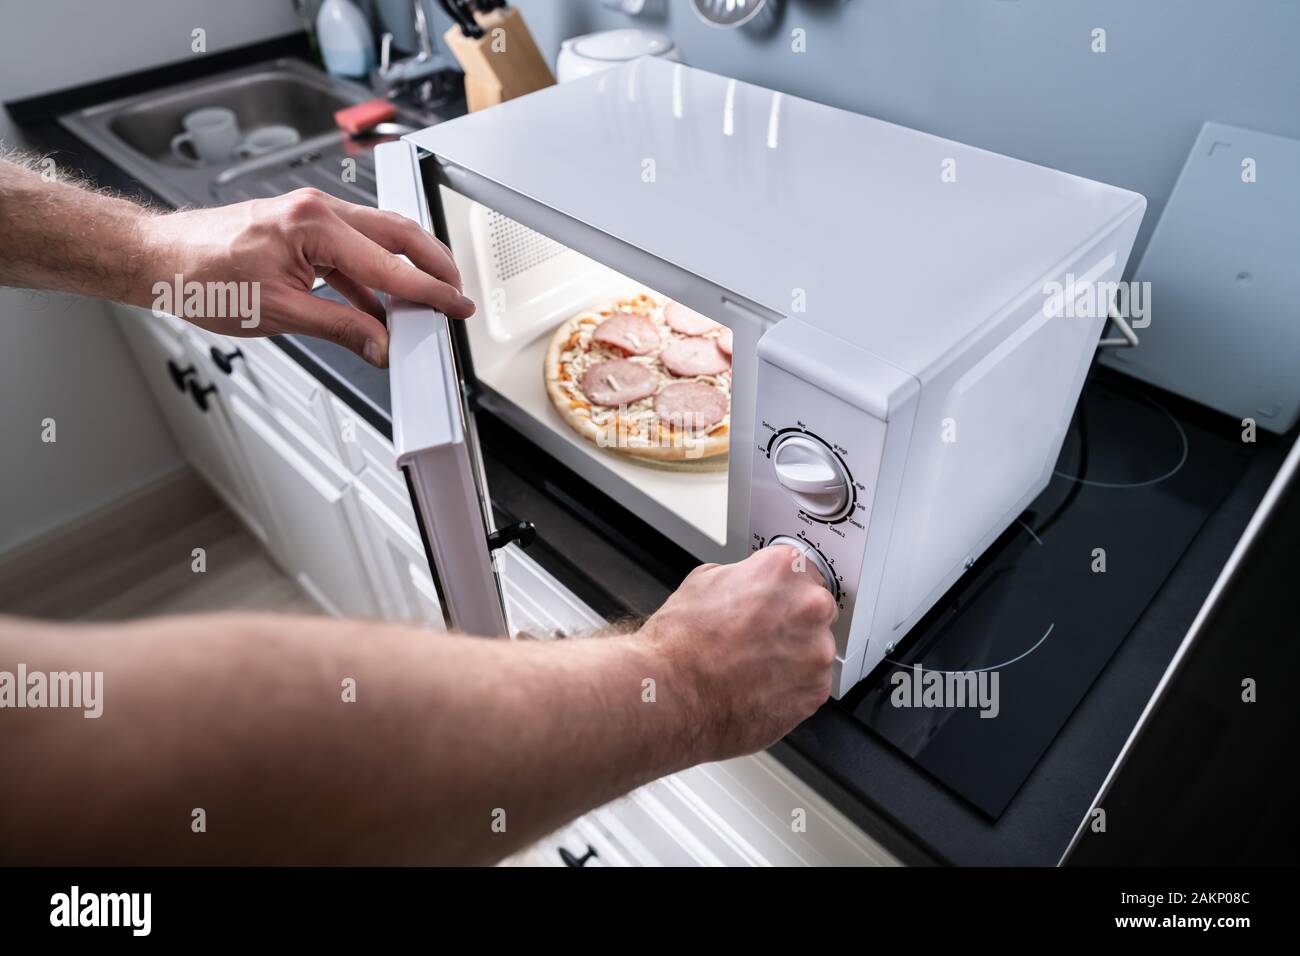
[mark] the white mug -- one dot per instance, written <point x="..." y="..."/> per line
<point x="212" y="133"/>
<point x="265" y="139"/>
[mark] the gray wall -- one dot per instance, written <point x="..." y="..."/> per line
<point x="1014" y="76"/>
<point x="47" y="45"/>
<point x="62" y="357"/>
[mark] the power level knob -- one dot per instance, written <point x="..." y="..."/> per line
<point x="813" y="557"/>
<point x="813" y="475"/>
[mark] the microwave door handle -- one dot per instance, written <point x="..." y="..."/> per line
<point x="433" y="431"/>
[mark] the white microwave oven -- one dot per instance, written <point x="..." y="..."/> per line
<point x="900" y="389"/>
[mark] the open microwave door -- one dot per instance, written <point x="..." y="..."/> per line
<point x="433" y="431"/>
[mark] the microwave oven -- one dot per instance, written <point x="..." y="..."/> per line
<point x="900" y="387"/>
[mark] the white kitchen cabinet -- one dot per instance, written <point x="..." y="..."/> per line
<point x="170" y="367"/>
<point x="365" y="449"/>
<point x="267" y="443"/>
<point x="400" y="568"/>
<point x="399" y="564"/>
<point x="315" y="508"/>
<point x="275" y="380"/>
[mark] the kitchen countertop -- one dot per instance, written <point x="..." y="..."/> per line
<point x="914" y="816"/>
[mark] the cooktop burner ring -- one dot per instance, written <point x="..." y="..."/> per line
<point x="979" y="670"/>
<point x="1182" y="458"/>
<point x="1037" y="540"/>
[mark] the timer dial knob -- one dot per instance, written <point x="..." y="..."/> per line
<point x="813" y="557"/>
<point x="813" y="475"/>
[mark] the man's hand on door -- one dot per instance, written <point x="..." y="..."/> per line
<point x="283" y="245"/>
<point x="246" y="269"/>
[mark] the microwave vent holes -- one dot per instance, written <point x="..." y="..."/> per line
<point x="516" y="248"/>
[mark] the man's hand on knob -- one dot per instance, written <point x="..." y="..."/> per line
<point x="752" y="642"/>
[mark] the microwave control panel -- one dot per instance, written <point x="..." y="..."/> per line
<point x="816" y="461"/>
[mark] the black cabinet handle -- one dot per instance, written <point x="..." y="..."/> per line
<point x="179" y="375"/>
<point x="521" y="531"/>
<point x="225" y="360"/>
<point x="571" y="860"/>
<point x="200" y="394"/>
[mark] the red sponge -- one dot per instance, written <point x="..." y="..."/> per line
<point x="357" y="119"/>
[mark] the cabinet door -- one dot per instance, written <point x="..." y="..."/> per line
<point x="170" y="370"/>
<point x="314" y="508"/>
<point x="402" y="574"/>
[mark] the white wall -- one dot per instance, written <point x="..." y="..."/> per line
<point x="62" y="357"/>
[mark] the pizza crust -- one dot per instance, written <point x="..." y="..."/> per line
<point x="670" y="447"/>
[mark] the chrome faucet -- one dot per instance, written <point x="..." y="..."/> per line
<point x="422" y="32"/>
<point x="392" y="77"/>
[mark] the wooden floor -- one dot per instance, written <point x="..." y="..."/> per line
<point x="134" y="559"/>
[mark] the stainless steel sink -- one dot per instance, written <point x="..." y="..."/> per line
<point x="136" y="133"/>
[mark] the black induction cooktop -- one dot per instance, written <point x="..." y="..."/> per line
<point x="1033" y="623"/>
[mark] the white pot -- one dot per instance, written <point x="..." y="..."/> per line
<point x="594" y="52"/>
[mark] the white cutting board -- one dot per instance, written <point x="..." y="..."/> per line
<point x="1224" y="268"/>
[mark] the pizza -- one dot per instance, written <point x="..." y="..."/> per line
<point x="646" y="379"/>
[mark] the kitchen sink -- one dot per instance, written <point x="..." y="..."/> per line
<point x="257" y="99"/>
<point x="136" y="133"/>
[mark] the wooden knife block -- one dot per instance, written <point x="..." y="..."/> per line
<point x="501" y="64"/>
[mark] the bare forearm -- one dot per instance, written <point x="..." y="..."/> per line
<point x="62" y="237"/>
<point x="246" y="269"/>
<point x="454" y="750"/>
